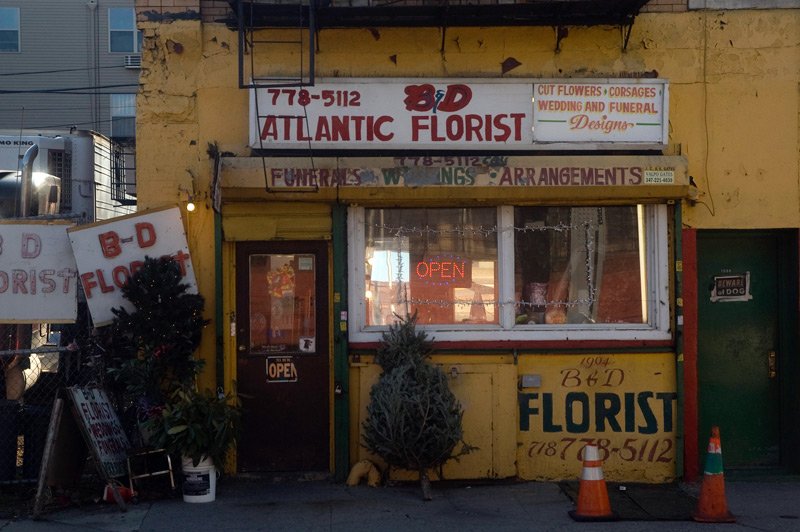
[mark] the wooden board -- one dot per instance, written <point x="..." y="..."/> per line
<point x="93" y="427"/>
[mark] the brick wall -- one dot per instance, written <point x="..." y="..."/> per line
<point x="211" y="10"/>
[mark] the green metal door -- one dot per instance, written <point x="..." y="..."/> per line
<point x="738" y="344"/>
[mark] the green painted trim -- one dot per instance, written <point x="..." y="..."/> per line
<point x="680" y="438"/>
<point x="218" y="311"/>
<point x="341" y="370"/>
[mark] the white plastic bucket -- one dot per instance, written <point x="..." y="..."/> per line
<point x="199" y="482"/>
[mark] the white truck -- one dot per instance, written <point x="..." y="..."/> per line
<point x="94" y="176"/>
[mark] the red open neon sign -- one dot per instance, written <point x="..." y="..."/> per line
<point x="444" y="270"/>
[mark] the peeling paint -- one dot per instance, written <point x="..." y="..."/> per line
<point x="155" y="16"/>
<point x="510" y="64"/>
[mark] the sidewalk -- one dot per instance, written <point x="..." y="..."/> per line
<point x="253" y="505"/>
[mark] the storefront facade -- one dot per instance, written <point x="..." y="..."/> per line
<point x="543" y="224"/>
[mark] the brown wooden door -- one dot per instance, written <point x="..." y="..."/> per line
<point x="283" y="359"/>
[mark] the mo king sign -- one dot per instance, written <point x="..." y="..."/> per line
<point x="108" y="253"/>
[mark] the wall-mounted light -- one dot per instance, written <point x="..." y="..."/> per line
<point x="190" y="206"/>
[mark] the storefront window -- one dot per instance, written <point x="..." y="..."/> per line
<point x="512" y="273"/>
<point x="440" y="263"/>
<point x="579" y="265"/>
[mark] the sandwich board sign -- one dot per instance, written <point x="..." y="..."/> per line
<point x="102" y="430"/>
<point x="92" y="427"/>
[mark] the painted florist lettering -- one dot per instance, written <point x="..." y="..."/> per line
<point x="589" y="398"/>
<point x="624" y="403"/>
<point x="111" y="246"/>
<point x="30" y="281"/>
<point x="394" y="114"/>
<point x="460" y="114"/>
<point x="435" y="175"/>
<point x="598" y="412"/>
<point x="102" y="428"/>
<point x="428" y="127"/>
<point x="38" y="275"/>
<point x="599" y="112"/>
<point x="110" y="252"/>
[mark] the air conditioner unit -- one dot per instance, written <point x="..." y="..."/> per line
<point x="133" y="61"/>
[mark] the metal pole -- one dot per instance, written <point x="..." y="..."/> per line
<point x="27" y="175"/>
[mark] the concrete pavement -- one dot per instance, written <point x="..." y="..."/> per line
<point x="253" y="505"/>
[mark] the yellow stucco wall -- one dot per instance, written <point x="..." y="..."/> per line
<point x="734" y="113"/>
<point x="733" y="94"/>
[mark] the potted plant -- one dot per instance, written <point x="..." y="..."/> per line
<point x="200" y="427"/>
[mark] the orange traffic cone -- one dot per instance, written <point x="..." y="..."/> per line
<point x="593" y="502"/>
<point x="713" y="508"/>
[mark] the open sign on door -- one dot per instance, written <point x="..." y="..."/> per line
<point x="281" y="369"/>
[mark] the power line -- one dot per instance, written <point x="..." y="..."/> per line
<point x="72" y="90"/>
<point x="79" y="108"/>
<point x="61" y="108"/>
<point x="70" y="124"/>
<point x="57" y="71"/>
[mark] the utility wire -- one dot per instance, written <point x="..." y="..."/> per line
<point x="59" y="108"/>
<point x="57" y="71"/>
<point x="69" y="90"/>
<point x="70" y="124"/>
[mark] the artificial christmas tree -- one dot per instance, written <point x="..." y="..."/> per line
<point x="157" y="340"/>
<point x="413" y="419"/>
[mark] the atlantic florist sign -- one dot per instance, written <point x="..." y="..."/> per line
<point x="108" y="253"/>
<point x="459" y="114"/>
<point x="401" y="115"/>
<point x="38" y="275"/>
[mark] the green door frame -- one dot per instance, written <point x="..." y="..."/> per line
<point x="341" y="366"/>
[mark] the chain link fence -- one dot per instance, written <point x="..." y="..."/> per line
<point x="36" y="360"/>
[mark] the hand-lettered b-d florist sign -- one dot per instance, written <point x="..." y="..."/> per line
<point x="459" y="114"/>
<point x="108" y="253"/>
<point x="38" y="275"/>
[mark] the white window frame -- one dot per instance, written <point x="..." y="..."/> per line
<point x="17" y="29"/>
<point x="134" y="31"/>
<point x="658" y="318"/>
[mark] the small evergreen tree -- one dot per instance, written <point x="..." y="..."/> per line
<point x="413" y="419"/>
<point x="160" y="335"/>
